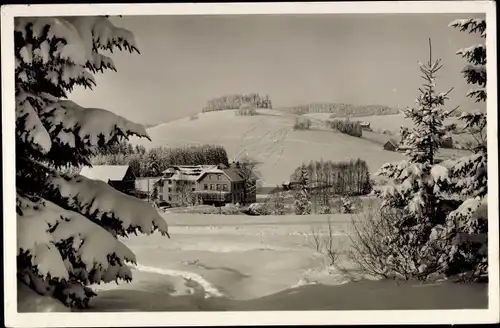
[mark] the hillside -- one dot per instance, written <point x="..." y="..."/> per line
<point x="380" y="123"/>
<point x="269" y="138"/>
<point x="341" y="109"/>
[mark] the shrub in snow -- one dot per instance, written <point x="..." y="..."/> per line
<point x="230" y="209"/>
<point x="347" y="207"/>
<point x="325" y="209"/>
<point x="302" y="123"/>
<point x="67" y="226"/>
<point x="257" y="209"/>
<point x="348" y="127"/>
<point x="275" y="204"/>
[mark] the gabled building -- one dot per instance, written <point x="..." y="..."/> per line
<point x="119" y="177"/>
<point x="365" y="126"/>
<point x="208" y="184"/>
<point x="390" y="145"/>
<point x="447" y="142"/>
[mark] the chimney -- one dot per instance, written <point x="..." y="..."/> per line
<point x="238" y="164"/>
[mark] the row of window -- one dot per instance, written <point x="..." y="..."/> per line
<point x="219" y="187"/>
<point x="218" y="176"/>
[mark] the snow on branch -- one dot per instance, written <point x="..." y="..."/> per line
<point x="64" y="51"/>
<point x="47" y="230"/>
<point x="101" y="202"/>
<point x="470" y="174"/>
<point x="35" y="240"/>
<point x="93" y="126"/>
<point x="470" y="25"/>
<point x="49" y="28"/>
<point x="478" y="93"/>
<point x="101" y="62"/>
<point x="475" y="54"/>
<point x="82" y="35"/>
<point x="29" y="126"/>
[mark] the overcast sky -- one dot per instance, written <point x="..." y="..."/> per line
<point x="296" y="59"/>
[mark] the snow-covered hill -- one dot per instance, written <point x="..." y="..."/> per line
<point x="268" y="137"/>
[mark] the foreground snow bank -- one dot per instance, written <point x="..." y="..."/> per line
<point x="210" y="290"/>
<point x="30" y="301"/>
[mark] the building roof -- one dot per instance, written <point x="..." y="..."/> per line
<point x="234" y="174"/>
<point x="188" y="172"/>
<point x="105" y="172"/>
<point x="391" y="142"/>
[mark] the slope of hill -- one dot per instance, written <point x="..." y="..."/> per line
<point x="391" y="122"/>
<point x="269" y="138"/>
<point x="341" y="109"/>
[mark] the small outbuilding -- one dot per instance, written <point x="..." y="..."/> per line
<point x="365" y="126"/>
<point x="447" y="142"/>
<point x="390" y="146"/>
<point x="119" y="177"/>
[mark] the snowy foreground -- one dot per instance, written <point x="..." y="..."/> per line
<point x="218" y="263"/>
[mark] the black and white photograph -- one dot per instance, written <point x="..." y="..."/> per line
<point x="259" y="163"/>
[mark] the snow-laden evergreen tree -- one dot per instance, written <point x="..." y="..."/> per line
<point x="418" y="185"/>
<point x="464" y="235"/>
<point x="68" y="226"/>
<point x="302" y="199"/>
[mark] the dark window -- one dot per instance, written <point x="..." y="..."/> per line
<point x="169" y="197"/>
<point x="161" y="197"/>
<point x="193" y="189"/>
<point x="224" y="187"/>
<point x="211" y="187"/>
<point x="206" y="186"/>
<point x="219" y="187"/>
<point x="169" y="189"/>
<point x="169" y="181"/>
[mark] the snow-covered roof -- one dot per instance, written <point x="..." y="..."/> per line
<point x="188" y="172"/>
<point x="105" y="172"/>
<point x="195" y="172"/>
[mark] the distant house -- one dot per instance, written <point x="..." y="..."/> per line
<point x="119" y="177"/>
<point x="145" y="185"/>
<point x="365" y="126"/>
<point x="390" y="145"/>
<point x="209" y="184"/>
<point x="447" y="142"/>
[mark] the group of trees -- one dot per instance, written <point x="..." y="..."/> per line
<point x="438" y="212"/>
<point x="341" y="110"/>
<point x="350" y="178"/>
<point x="246" y="110"/>
<point x="152" y="162"/>
<point x="235" y="101"/>
<point x="348" y="127"/>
